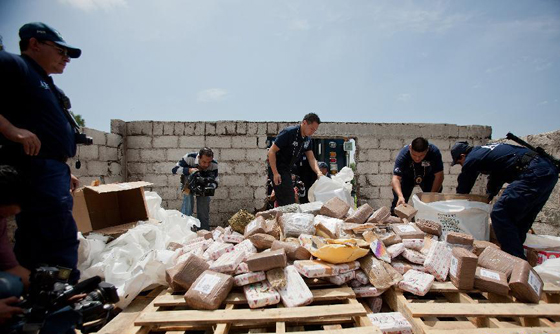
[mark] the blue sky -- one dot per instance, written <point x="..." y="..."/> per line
<point x="480" y="62"/>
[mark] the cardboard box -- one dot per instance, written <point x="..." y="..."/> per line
<point x="98" y="207"/>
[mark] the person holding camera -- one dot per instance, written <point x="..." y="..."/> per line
<point x="37" y="138"/>
<point x="288" y="147"/>
<point x="199" y="177"/>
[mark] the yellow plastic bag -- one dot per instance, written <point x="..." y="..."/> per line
<point x="339" y="251"/>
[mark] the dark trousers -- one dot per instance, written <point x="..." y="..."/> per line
<point x="46" y="231"/>
<point x="516" y="210"/>
<point x="407" y="185"/>
<point x="285" y="191"/>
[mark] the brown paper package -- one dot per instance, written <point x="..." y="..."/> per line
<point x="293" y="251"/>
<point x="267" y="260"/>
<point x="525" y="284"/>
<point x="496" y="259"/>
<point x="405" y="211"/>
<point x="483" y="283"/>
<point x="208" y="294"/>
<point x="459" y="238"/>
<point x="429" y="226"/>
<point x="466" y="268"/>
<point x="335" y="207"/>
<point x="262" y="241"/>
<point x="361" y="214"/>
<point x="188" y="271"/>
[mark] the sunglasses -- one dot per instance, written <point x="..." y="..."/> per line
<point x="60" y="51"/>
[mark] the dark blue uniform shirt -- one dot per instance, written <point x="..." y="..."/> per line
<point x="405" y="167"/>
<point x="499" y="161"/>
<point x="29" y="100"/>
<point x="292" y="145"/>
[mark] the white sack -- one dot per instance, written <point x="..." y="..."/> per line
<point x="338" y="186"/>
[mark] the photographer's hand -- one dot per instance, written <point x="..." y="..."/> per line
<point x="74" y="182"/>
<point x="31" y="143"/>
<point x="193" y="170"/>
<point x="7" y="311"/>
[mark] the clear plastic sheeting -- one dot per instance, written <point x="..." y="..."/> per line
<point x="137" y="259"/>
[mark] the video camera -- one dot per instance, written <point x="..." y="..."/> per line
<point x="53" y="306"/>
<point x="202" y="183"/>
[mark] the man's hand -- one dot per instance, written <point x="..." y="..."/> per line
<point x="193" y="170"/>
<point x="177" y="169"/>
<point x="319" y="175"/>
<point x="277" y="179"/>
<point x="401" y="201"/>
<point x="31" y="144"/>
<point x="74" y="182"/>
<point x="7" y="311"/>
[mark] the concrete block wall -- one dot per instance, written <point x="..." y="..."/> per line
<point x="101" y="161"/>
<point x="152" y="149"/>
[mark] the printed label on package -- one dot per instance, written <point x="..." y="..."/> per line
<point x="489" y="274"/>
<point x="534" y="282"/>
<point x="207" y="283"/>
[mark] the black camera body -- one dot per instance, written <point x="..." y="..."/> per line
<point x="202" y="183"/>
<point x="53" y="305"/>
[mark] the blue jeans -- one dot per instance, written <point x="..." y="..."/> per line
<point x="10" y="285"/>
<point x="202" y="209"/>
<point x="516" y="210"/>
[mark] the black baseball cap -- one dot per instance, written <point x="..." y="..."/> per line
<point x="323" y="164"/>
<point x="44" y="32"/>
<point x="460" y="147"/>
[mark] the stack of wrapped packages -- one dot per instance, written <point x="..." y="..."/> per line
<point x="276" y="255"/>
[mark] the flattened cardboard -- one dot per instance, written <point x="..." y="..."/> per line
<point x="98" y="207"/>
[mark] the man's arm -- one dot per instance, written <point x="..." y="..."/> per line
<point x="438" y="181"/>
<point x="74" y="182"/>
<point x="396" y="184"/>
<point x="495" y="183"/>
<point x="7" y="311"/>
<point x="31" y="144"/>
<point x="466" y="181"/>
<point x="313" y="163"/>
<point x="276" y="178"/>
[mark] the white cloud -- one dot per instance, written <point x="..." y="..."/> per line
<point x="404" y="97"/>
<point x="89" y="5"/>
<point x="299" y="24"/>
<point x="212" y="95"/>
<point x="543" y="103"/>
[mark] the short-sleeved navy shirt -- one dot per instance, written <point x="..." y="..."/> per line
<point x="406" y="167"/>
<point x="29" y="101"/>
<point x="292" y="145"/>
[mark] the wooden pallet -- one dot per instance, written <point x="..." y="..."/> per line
<point x="334" y="310"/>
<point x="446" y="310"/>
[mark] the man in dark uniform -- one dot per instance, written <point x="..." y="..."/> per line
<point x="38" y="138"/>
<point x="418" y="164"/>
<point x="286" y="150"/>
<point x="203" y="162"/>
<point x="531" y="179"/>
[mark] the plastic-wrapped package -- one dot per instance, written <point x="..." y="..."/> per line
<point x="228" y="262"/>
<point x="341" y="278"/>
<point x="390" y="239"/>
<point x="459" y="238"/>
<point x="403" y="266"/>
<point x="242" y="268"/>
<point x="209" y="290"/>
<point x="438" y="261"/>
<point x="379" y="215"/>
<point x="491" y="281"/>
<point x="361" y="215"/>
<point x="335" y="207"/>
<point x="415" y="244"/>
<point x="408" y="231"/>
<point x="361" y="277"/>
<point x="267" y="260"/>
<point x="217" y="249"/>
<point x="315" y="268"/>
<point x="258" y="225"/>
<point x="374" y="303"/>
<point x="480" y="245"/>
<point x="367" y="291"/>
<point x="413" y="256"/>
<point x="429" y="226"/>
<point x="261" y="294"/>
<point x="295" y="293"/>
<point x="294" y="224"/>
<point x="496" y="259"/>
<point x="391" y="323"/>
<point x="293" y="251"/>
<point x="416" y="282"/>
<point x="378" y="249"/>
<point x="249" y="278"/>
<point x="262" y="241"/>
<point x="328" y="227"/>
<point x="273" y="228"/>
<point x="405" y="211"/>
<point x="312" y="208"/>
<point x="525" y="284"/>
<point x="247" y="247"/>
<point x="396" y="249"/>
<point x="376" y="272"/>
<point x="234" y="238"/>
<point x="462" y="268"/>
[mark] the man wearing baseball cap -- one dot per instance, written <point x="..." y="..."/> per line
<point x="531" y="179"/>
<point x="37" y="137"/>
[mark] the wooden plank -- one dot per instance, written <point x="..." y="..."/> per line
<point x="123" y="323"/>
<point x="280" y="325"/>
<point x="357" y="330"/>
<point x="447" y="325"/>
<point x="536" y="330"/>
<point x="320" y="295"/>
<point x="224" y="328"/>
<point x="398" y="303"/>
<point x="484" y="310"/>
<point x="167" y="318"/>
<point x="548" y="288"/>
<point x="478" y="322"/>
<point x="360" y="320"/>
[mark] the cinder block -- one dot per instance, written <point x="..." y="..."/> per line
<point x="364" y="167"/>
<point x="221" y="193"/>
<point x="254" y="128"/>
<point x="442" y="144"/>
<point x="244" y="142"/>
<point x="391" y="144"/>
<point x="89" y="152"/>
<point x="179" y="128"/>
<point x="107" y="153"/>
<point x="225" y="128"/>
<point x="114" y="168"/>
<point x="113" y="140"/>
<point x="139" y="128"/>
<point x="369" y="192"/>
<point x="175" y="154"/>
<point x="386" y="167"/>
<point x="386" y="192"/>
<point x="97" y="168"/>
<point x="262" y="142"/>
<point x="379" y="180"/>
<point x="138" y="142"/>
<point x="118" y="126"/>
<point x="256" y="155"/>
<point x="463" y="132"/>
<point x="157" y="180"/>
<point x="136" y="168"/>
<point x="446" y="156"/>
<point x="133" y="155"/>
<point x="363" y="143"/>
<point x="210" y="129"/>
<point x="249" y="168"/>
<point x="161" y="168"/>
<point x="173" y="204"/>
<point x="193" y="141"/>
<point x="97" y="136"/>
<point x="165" y="141"/>
<point x="240" y="193"/>
<point x="241" y="128"/>
<point x="378" y="155"/>
<point x="232" y="180"/>
<point x="272" y="129"/>
<point x="395" y="154"/>
<point x="157" y="129"/>
<point x="225" y="168"/>
<point x="156" y="155"/>
<point x="259" y="193"/>
<point x="218" y="142"/>
<point x="235" y="154"/>
<point x="195" y="128"/>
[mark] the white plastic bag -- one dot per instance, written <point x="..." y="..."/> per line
<point x="458" y="215"/>
<point x="549" y="271"/>
<point x="338" y="186"/>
